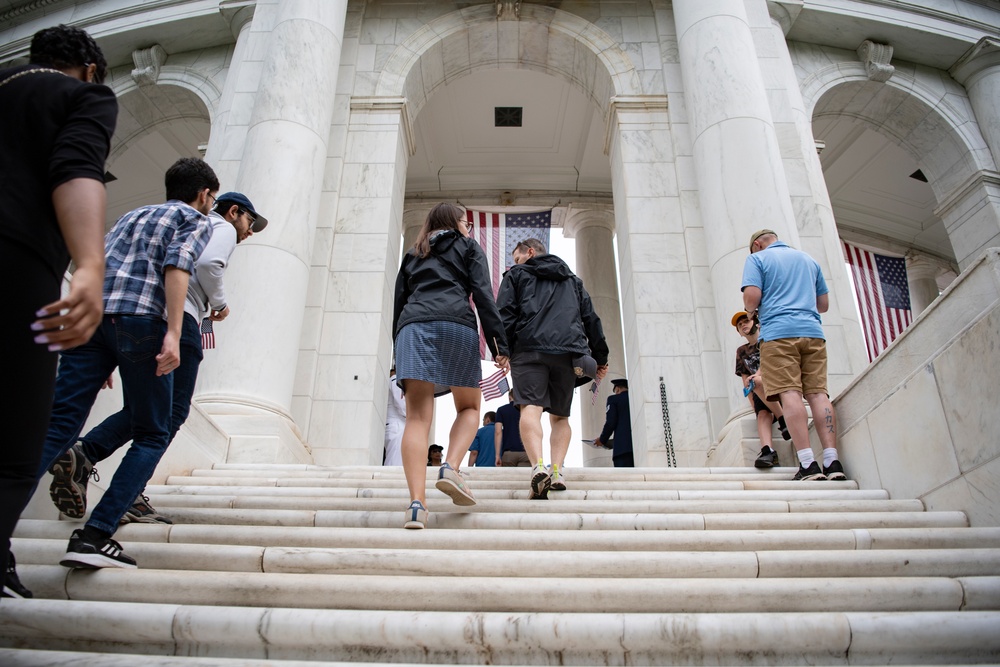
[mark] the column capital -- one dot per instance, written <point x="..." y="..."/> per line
<point x="784" y="12"/>
<point x="414" y="216"/>
<point x="387" y="104"/>
<point x="237" y="14"/>
<point x="984" y="55"/>
<point x="923" y="267"/>
<point x="577" y="219"/>
<point x="631" y="103"/>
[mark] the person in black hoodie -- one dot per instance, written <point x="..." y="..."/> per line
<point x="57" y="125"/>
<point x="549" y="320"/>
<point x="437" y="347"/>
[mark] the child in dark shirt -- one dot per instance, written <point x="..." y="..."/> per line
<point x="748" y="369"/>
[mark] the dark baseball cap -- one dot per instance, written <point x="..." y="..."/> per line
<point x="241" y="200"/>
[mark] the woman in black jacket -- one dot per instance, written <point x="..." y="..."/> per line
<point x="437" y="347"/>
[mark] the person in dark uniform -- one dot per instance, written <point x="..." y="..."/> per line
<point x="618" y="425"/>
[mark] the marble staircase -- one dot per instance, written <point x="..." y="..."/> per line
<point x="293" y="564"/>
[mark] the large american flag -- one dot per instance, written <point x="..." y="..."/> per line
<point x="498" y="234"/>
<point x="883" y="296"/>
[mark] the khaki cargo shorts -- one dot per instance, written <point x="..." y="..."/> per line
<point x="793" y="364"/>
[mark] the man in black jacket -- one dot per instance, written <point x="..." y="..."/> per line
<point x="549" y="320"/>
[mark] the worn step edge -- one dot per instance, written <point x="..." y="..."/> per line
<point x="556" y="504"/>
<point x="565" y="564"/>
<point x="469" y="517"/>
<point x="800" y="492"/>
<point x="485" y="638"/>
<point x="522" y="594"/>
<point x="524" y="540"/>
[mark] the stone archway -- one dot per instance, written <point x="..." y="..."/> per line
<point x="930" y="124"/>
<point x="380" y="140"/>
<point x="156" y="125"/>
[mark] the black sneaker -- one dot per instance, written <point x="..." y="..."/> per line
<point x="540" y="483"/>
<point x="83" y="553"/>
<point x="768" y="458"/>
<point x="835" y="471"/>
<point x="70" y="475"/>
<point x="811" y="473"/>
<point x="142" y="512"/>
<point x="12" y="586"/>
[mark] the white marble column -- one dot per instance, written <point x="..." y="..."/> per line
<point x="808" y="193"/>
<point x="972" y="213"/>
<point x="979" y="71"/>
<point x="287" y="75"/>
<point x="593" y="230"/>
<point x="921" y="275"/>
<point x="741" y="180"/>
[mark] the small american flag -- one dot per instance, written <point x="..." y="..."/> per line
<point x="498" y="234"/>
<point x="495" y="385"/>
<point x="207" y="335"/>
<point x="595" y="389"/>
<point x="883" y="296"/>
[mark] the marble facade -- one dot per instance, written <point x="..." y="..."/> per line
<point x="708" y="106"/>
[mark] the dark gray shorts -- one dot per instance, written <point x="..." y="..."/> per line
<point x="545" y="380"/>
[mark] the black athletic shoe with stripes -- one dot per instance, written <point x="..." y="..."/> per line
<point x="82" y="553"/>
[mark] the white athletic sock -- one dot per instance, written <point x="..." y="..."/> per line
<point x="806" y="457"/>
<point x="829" y="456"/>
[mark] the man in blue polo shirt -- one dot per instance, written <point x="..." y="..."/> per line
<point x="785" y="287"/>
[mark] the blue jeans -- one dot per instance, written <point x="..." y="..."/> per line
<point x="130" y="343"/>
<point x="115" y="431"/>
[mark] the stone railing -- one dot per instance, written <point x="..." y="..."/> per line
<point x="923" y="420"/>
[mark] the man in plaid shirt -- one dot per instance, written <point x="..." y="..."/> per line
<point x="149" y="255"/>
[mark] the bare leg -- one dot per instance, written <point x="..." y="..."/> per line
<point x="824" y="419"/>
<point x="463" y="431"/>
<point x="559" y="438"/>
<point x="773" y="406"/>
<point x="795" y="418"/>
<point x="419" y="398"/>
<point x="531" y="432"/>
<point x="764" y="428"/>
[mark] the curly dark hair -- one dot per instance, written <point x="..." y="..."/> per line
<point x="64" y="46"/>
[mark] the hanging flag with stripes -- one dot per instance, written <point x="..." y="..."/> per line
<point x="207" y="335"/>
<point x="883" y="296"/>
<point x="498" y="234"/>
<point x="495" y="385"/>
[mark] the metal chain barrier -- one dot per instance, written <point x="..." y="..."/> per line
<point x="668" y="437"/>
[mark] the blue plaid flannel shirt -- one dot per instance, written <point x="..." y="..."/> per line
<point x="140" y="246"/>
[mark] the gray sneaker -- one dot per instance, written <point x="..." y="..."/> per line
<point x="70" y="475"/>
<point x="142" y="512"/>
<point x="541" y="482"/>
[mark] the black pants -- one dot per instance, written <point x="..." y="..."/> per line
<point x="28" y="371"/>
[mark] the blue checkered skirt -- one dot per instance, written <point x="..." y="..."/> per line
<point x="445" y="353"/>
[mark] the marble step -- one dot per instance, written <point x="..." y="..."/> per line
<point x="850" y="538"/>
<point x="519" y="594"/>
<point x="38" y="658"/>
<point x="716" y="492"/>
<point x="625" y="489"/>
<point x="631" y="474"/>
<point x="470" y="518"/>
<point x="518" y="484"/>
<point x="543" y="637"/>
<point x="565" y="564"/>
<point x="557" y="504"/>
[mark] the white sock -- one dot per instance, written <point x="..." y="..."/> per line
<point x="829" y="456"/>
<point x="806" y="457"/>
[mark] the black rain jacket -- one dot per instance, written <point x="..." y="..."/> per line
<point x="545" y="308"/>
<point x="437" y="288"/>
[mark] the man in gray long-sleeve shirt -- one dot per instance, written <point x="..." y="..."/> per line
<point x="234" y="219"/>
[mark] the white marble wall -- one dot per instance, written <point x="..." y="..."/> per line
<point x="920" y="421"/>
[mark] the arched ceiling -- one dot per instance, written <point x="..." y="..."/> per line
<point x="560" y="145"/>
